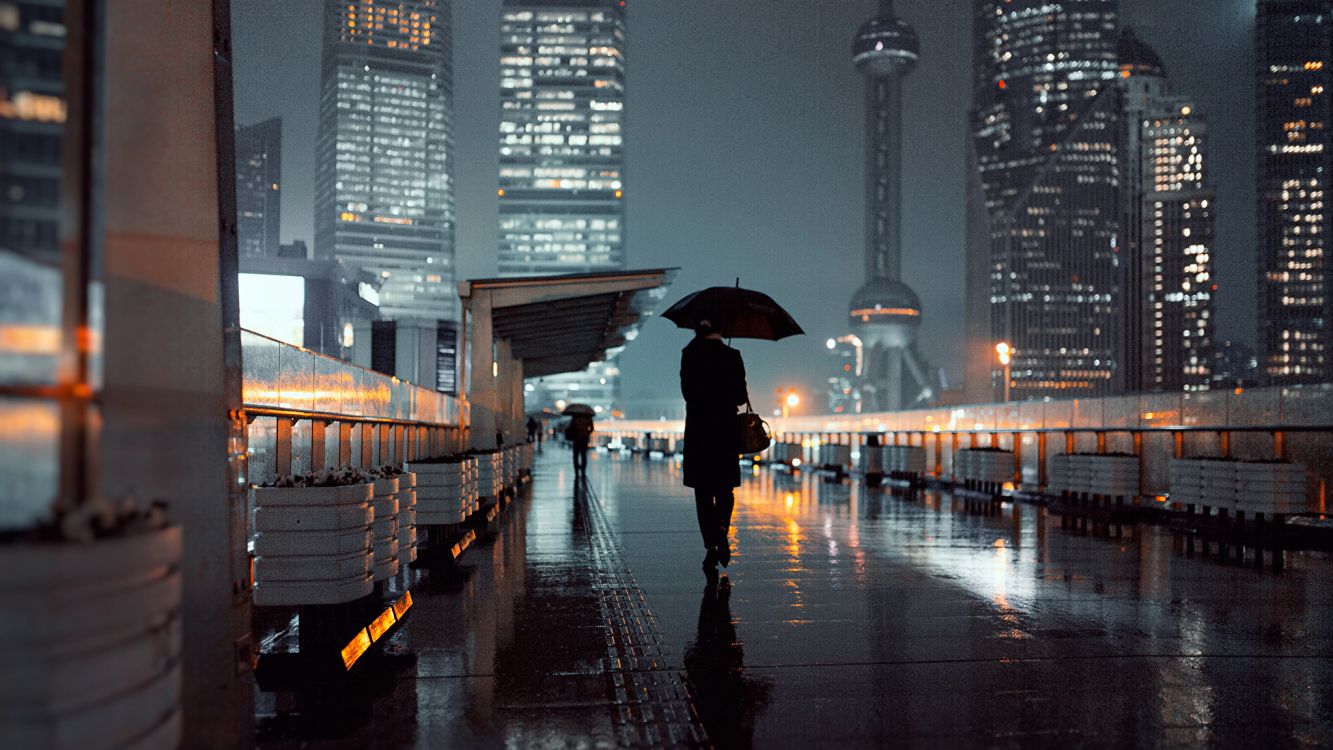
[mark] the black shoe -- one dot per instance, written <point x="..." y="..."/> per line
<point x="724" y="554"/>
<point x="710" y="562"/>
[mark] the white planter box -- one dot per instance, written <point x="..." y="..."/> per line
<point x="90" y="643"/>
<point x="313" y="542"/>
<point x="386" y="558"/>
<point x="292" y="594"/>
<point x="270" y="497"/>
<point x="314" y="568"/>
<point x="313" y="518"/>
<point x="385" y="486"/>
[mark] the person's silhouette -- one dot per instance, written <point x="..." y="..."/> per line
<point x="712" y="380"/>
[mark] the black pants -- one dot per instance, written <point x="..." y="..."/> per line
<point x="580" y="458"/>
<point x="714" y="509"/>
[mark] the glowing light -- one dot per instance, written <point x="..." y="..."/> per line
<point x="1005" y="352"/>
<point x="401" y="606"/>
<point x="793" y="400"/>
<point x="355" y="648"/>
<point x="380" y="625"/>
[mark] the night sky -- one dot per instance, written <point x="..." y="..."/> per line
<point x="744" y="142"/>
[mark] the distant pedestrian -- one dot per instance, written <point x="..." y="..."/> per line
<point x="534" y="429"/>
<point x="579" y="434"/>
<point x="712" y="380"/>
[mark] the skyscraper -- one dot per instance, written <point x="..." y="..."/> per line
<point x="258" y="188"/>
<point x="1293" y="116"/>
<point x="885" y="313"/>
<point x="384" y="173"/>
<point x="32" y="116"/>
<point x="1048" y="137"/>
<point x="562" y="156"/>
<point x="1169" y="230"/>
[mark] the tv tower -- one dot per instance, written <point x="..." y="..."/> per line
<point x="885" y="312"/>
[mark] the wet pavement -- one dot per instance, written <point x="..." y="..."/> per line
<point x="848" y="618"/>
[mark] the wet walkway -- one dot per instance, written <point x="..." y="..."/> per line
<point x="852" y="618"/>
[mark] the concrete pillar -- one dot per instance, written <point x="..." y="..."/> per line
<point x="173" y="428"/>
<point x="484" y="392"/>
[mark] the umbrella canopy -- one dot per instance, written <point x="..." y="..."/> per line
<point x="735" y="313"/>
<point x="581" y="410"/>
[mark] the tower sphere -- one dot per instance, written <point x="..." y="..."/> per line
<point x="885" y="312"/>
<point x="885" y="47"/>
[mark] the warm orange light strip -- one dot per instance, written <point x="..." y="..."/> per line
<point x="401" y="606"/>
<point x="884" y="311"/>
<point x="380" y="625"/>
<point x="355" y="648"/>
<point x="29" y="339"/>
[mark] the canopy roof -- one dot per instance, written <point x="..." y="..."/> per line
<point x="561" y="324"/>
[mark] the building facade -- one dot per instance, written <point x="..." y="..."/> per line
<point x="1048" y="135"/>
<point x="1294" y="111"/>
<point x="32" y="117"/>
<point x="259" y="188"/>
<point x="1169" y="230"/>
<point x="384" y="172"/>
<point x="562" y="158"/>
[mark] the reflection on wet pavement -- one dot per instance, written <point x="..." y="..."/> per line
<point x="848" y="617"/>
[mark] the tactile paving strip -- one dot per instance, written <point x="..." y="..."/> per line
<point x="653" y="706"/>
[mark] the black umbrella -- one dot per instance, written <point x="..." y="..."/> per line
<point x="735" y="313"/>
<point x="579" y="410"/>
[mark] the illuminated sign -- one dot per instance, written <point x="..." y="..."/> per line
<point x="273" y="306"/>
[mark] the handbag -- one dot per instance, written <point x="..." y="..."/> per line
<point x="753" y="432"/>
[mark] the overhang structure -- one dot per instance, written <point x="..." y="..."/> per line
<point x="535" y="326"/>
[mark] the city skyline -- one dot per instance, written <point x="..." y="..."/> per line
<point x="808" y="202"/>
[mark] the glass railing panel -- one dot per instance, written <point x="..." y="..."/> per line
<point x="1204" y="408"/>
<point x="1119" y="412"/>
<point x="1255" y="407"/>
<point x="283" y="376"/>
<point x="1152" y="410"/>
<point x="29" y="436"/>
<point x="1088" y="413"/>
<point x="1310" y="405"/>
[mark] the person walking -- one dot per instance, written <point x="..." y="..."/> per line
<point x="579" y="434"/>
<point x="712" y="380"/>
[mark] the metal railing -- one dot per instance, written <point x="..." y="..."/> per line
<point x="308" y="411"/>
<point x="1290" y="423"/>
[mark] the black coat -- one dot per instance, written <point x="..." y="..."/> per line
<point x="712" y="380"/>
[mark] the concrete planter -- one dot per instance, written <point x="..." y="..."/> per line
<point x="835" y="455"/>
<point x="1268" y="487"/>
<point x="386" y="528"/>
<point x="407" y="518"/>
<point x="441" y="492"/>
<point x="314" y="544"/>
<point x="90" y="643"/>
<point x="1094" y="474"/>
<point x="985" y="465"/>
<point x="906" y="459"/>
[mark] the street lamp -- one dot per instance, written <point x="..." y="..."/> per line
<point x="788" y="399"/>
<point x="1006" y="355"/>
